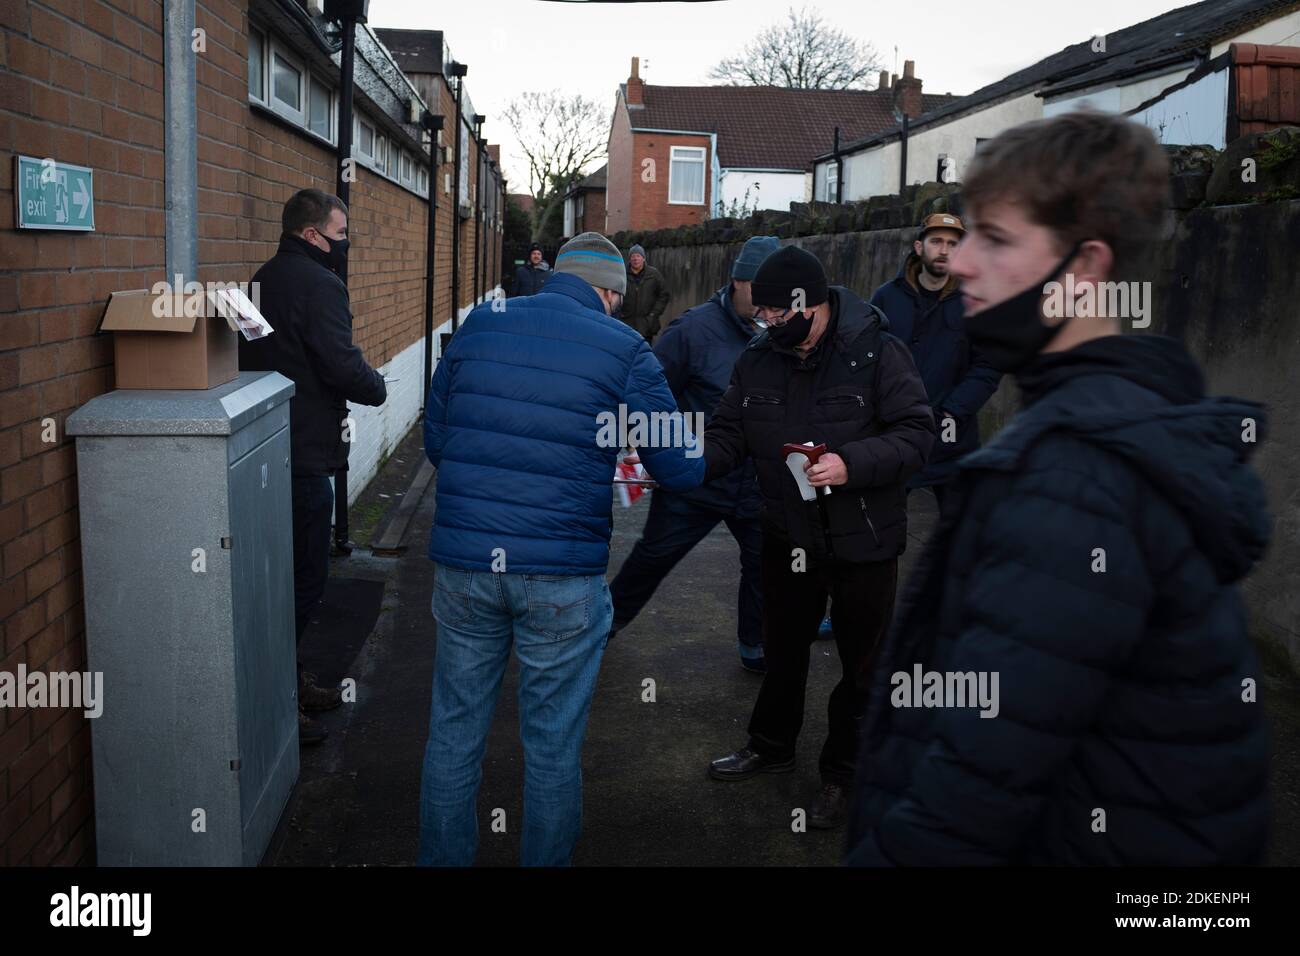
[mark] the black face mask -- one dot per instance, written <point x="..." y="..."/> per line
<point x="1010" y="334"/>
<point x="793" y="332"/>
<point x="338" y="254"/>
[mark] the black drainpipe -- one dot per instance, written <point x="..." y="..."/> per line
<point x="457" y="70"/>
<point x="431" y="123"/>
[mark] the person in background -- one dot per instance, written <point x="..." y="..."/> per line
<point x="520" y="538"/>
<point x="924" y="308"/>
<point x="532" y="275"/>
<point x="647" y="295"/>
<point x="1084" y="581"/>
<point x="307" y="305"/>
<point x="698" y="351"/>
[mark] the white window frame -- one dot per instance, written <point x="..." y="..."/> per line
<point x="831" y="181"/>
<point x="260" y="35"/>
<point x="331" y="109"/>
<point x="357" y="125"/>
<point x="702" y="154"/>
<point x="299" y="115"/>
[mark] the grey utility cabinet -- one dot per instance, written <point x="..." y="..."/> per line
<point x="187" y="557"/>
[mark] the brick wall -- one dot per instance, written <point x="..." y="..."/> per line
<point x="634" y="203"/>
<point x="82" y="81"/>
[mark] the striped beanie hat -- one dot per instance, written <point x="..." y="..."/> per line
<point x="592" y="257"/>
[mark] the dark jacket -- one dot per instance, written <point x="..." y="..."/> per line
<point x="956" y="380"/>
<point x="698" y="351"/>
<point x="514" y="426"/>
<point x="530" y="278"/>
<point x="858" y="392"/>
<point x="644" y="301"/>
<point x="307" y="306"/>
<point x="1121" y="685"/>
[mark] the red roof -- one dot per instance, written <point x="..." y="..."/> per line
<point x="771" y="127"/>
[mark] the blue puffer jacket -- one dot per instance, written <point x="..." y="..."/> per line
<point x="956" y="380"/>
<point x="698" y="351"/>
<point x="512" y="425"/>
<point x="1091" y="562"/>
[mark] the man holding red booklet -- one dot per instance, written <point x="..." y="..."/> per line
<point x="827" y="395"/>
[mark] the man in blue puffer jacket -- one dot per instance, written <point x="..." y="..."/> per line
<point x="516" y="424"/>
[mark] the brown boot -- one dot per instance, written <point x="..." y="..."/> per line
<point x="313" y="698"/>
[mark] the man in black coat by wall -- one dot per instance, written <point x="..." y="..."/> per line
<point x="824" y="372"/>
<point x="1070" y="679"/>
<point x="307" y="305"/>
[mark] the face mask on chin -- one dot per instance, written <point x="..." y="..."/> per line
<point x="792" y="332"/>
<point x="1010" y="335"/>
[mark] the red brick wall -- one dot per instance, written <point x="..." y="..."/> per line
<point x="82" y="81"/>
<point x="634" y="203"/>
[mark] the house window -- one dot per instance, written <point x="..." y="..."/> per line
<point x="832" y="181"/>
<point x="366" y="140"/>
<point x="319" y="110"/>
<point x="256" y="65"/>
<point x="686" y="175"/>
<point x="286" y="86"/>
<point x="406" y="166"/>
<point x="422" y="180"/>
<point x="381" y="154"/>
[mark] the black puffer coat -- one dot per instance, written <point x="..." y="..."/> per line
<point x="859" y="392"/>
<point x="1090" y="560"/>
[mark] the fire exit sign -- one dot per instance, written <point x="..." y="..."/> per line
<point x="54" y="195"/>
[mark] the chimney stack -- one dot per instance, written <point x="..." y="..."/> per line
<point x="884" y="80"/>
<point x="635" y="85"/>
<point x="907" y="91"/>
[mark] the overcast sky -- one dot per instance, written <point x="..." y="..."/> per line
<point x="514" y="45"/>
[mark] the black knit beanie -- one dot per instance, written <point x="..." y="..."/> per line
<point x="783" y="273"/>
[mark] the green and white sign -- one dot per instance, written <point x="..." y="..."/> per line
<point x="54" y="195"/>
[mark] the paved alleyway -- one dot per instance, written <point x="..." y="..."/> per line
<point x="648" y="798"/>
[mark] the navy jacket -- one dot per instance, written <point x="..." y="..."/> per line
<point x="307" y="306"/>
<point x="529" y="278"/>
<point x="514" y="425"/>
<point x="956" y="380"/>
<point x="698" y="351"/>
<point x="1091" y="561"/>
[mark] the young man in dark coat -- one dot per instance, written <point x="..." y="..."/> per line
<point x="697" y="352"/>
<point x="647" y="295"/>
<point x="532" y="275"/>
<point x="824" y="372"/>
<point x="1069" y="679"/>
<point x="307" y="305"/>
<point x="923" y="304"/>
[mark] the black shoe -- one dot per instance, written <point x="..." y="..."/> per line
<point x="310" y="731"/>
<point x="755" y="665"/>
<point x="829" y="808"/>
<point x="745" y="763"/>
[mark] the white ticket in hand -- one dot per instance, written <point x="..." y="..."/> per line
<point x="796" y="458"/>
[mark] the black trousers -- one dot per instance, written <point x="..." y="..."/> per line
<point x="794" y="603"/>
<point x="313" y="505"/>
<point x="674" y="526"/>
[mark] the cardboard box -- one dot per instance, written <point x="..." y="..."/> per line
<point x="157" y="345"/>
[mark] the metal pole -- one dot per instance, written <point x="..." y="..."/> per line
<point x="902" y="162"/>
<point x="180" y="141"/>
<point x="457" y="70"/>
<point x="839" y="169"/>
<point x="432" y="124"/>
<point x="343" y="181"/>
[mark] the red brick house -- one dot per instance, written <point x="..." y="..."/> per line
<point x="682" y="154"/>
<point x="584" y="205"/>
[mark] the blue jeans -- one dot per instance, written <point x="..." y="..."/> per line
<point x="559" y="627"/>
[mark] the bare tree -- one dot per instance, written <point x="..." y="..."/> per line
<point x="559" y="136"/>
<point x="803" y="53"/>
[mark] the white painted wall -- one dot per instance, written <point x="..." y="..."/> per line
<point x="377" y="431"/>
<point x="1195" y="114"/>
<point x="775" y="190"/>
<point x="1284" y="31"/>
<point x="874" y="172"/>
<point x="1115" y="99"/>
